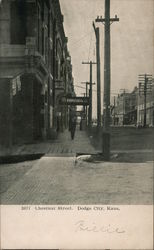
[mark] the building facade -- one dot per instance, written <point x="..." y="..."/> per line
<point x="121" y="114"/>
<point x="35" y="70"/>
<point x="148" y="110"/>
<point x="130" y="108"/>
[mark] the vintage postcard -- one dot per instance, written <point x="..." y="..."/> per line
<point x="76" y="124"/>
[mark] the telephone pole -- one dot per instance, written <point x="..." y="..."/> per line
<point x="145" y="82"/>
<point x="86" y="87"/>
<point x="114" y="111"/>
<point x="98" y="76"/>
<point x="107" y="21"/>
<point x="123" y="105"/>
<point x="86" y="109"/>
<point x="90" y="93"/>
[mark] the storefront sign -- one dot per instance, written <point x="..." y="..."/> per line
<point x="84" y="101"/>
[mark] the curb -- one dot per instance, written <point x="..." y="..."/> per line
<point x="19" y="158"/>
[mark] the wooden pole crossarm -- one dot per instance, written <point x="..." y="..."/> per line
<point x="104" y="20"/>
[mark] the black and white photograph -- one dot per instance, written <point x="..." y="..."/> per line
<point x="77" y="113"/>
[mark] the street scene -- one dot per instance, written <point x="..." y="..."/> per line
<point x="76" y="102"/>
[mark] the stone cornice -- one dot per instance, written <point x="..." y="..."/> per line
<point x="30" y="64"/>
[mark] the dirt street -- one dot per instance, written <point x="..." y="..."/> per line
<point x="59" y="180"/>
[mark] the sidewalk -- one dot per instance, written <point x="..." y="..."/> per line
<point x="62" y="145"/>
<point x="70" y="180"/>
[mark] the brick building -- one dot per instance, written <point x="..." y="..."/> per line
<point x="129" y="108"/>
<point x="35" y="70"/>
<point x="122" y="108"/>
<point x="149" y="108"/>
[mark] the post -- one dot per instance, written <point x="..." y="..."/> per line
<point x="107" y="68"/>
<point x="145" y="101"/>
<point x="106" y="105"/>
<point x="86" y="106"/>
<point x="90" y="97"/>
<point x="145" y="82"/>
<point x="114" y="112"/>
<point x="98" y="76"/>
<point x="106" y="127"/>
<point x="124" y="107"/>
<point x="90" y="93"/>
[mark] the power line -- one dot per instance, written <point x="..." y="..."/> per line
<point x="81" y="39"/>
<point x="77" y="86"/>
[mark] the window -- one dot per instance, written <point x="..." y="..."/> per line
<point x="18" y="22"/>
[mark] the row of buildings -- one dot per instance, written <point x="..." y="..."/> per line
<point x="35" y="71"/>
<point x="133" y="109"/>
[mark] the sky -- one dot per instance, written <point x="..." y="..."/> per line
<point x="131" y="41"/>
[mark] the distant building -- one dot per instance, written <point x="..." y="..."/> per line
<point x="122" y="109"/>
<point x="35" y="70"/>
<point x="149" y="108"/>
<point x="129" y="108"/>
<point x="132" y="102"/>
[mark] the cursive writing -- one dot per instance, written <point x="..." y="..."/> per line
<point x="93" y="227"/>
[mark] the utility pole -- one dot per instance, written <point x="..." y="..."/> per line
<point x="87" y="83"/>
<point x="123" y="104"/>
<point x="114" y="112"/>
<point x="86" y="87"/>
<point x="90" y="93"/>
<point x="86" y="109"/>
<point x="107" y="21"/>
<point x="124" y="107"/>
<point x="145" y="82"/>
<point x="98" y="76"/>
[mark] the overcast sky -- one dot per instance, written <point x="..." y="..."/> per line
<point x="131" y="40"/>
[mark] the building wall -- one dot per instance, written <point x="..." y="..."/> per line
<point x="149" y="108"/>
<point x="22" y="103"/>
<point x="129" y="109"/>
<point x="33" y="47"/>
<point x="123" y="108"/>
<point x="5" y="22"/>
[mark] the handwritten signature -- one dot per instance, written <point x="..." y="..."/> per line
<point x="83" y="226"/>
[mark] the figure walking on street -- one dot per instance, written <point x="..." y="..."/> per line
<point x="72" y="126"/>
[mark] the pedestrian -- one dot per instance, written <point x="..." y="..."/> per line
<point x="58" y="124"/>
<point x="81" y="124"/>
<point x="72" y="126"/>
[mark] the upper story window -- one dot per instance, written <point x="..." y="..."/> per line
<point x="18" y="22"/>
